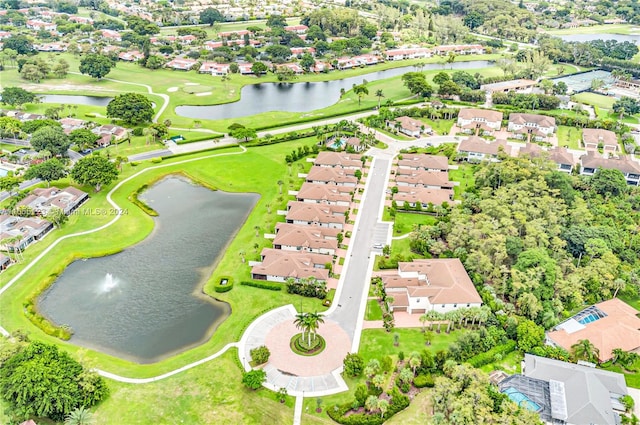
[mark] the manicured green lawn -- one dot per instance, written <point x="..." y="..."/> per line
<point x="463" y="175"/>
<point x="595" y="29"/>
<point x="441" y="127"/>
<point x="594" y="99"/>
<point x="9" y="148"/>
<point x="398" y="136"/>
<point x="376" y="343"/>
<point x="569" y="136"/>
<point x="632" y="301"/>
<point x="258" y="170"/>
<point x="632" y="379"/>
<point x="374" y="312"/>
<point x="404" y="222"/>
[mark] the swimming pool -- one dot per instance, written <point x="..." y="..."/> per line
<point x="3" y="172"/>
<point x="522" y="400"/>
<point x="588" y="319"/>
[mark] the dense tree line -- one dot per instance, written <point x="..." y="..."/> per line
<point x="544" y="242"/>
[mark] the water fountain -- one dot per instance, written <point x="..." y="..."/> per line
<point x="109" y="284"/>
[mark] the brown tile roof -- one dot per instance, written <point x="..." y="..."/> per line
<point x="531" y="149"/>
<point x="411" y="124"/>
<point x="45" y="198"/>
<point x="336" y="159"/>
<point x="592" y="159"/>
<point x="424" y="161"/>
<point x="447" y="282"/>
<point x="471" y="113"/>
<point x="313" y="237"/>
<point x="322" y="213"/>
<point x="298" y="265"/>
<point x="423" y="195"/>
<point x="561" y="155"/>
<point x="523" y="119"/>
<point x="332" y="175"/>
<point x="424" y="178"/>
<point x="480" y="145"/>
<point x="594" y="136"/>
<point x="619" y="329"/>
<point x="323" y="192"/>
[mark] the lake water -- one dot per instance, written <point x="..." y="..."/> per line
<point x="76" y="99"/>
<point x="146" y="303"/>
<point x="301" y="97"/>
<point x="634" y="38"/>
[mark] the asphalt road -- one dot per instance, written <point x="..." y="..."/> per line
<point x="355" y="280"/>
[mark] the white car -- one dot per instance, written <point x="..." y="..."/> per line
<point x="377" y="246"/>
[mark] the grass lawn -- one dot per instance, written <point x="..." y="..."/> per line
<point x="9" y="148"/>
<point x="463" y="175"/>
<point x="418" y="412"/>
<point x="441" y="127"/>
<point x="569" y="136"/>
<point x="599" y="100"/>
<point x="595" y="29"/>
<point x="374" y="312"/>
<point x="632" y="379"/>
<point x="632" y="301"/>
<point x="376" y="343"/>
<point x="510" y="364"/>
<point x="260" y="169"/>
<point x="398" y="136"/>
<point x="404" y="222"/>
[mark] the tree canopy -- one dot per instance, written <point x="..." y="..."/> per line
<point x="133" y="108"/>
<point x="96" y="65"/>
<point x="40" y="380"/>
<point x="17" y="96"/>
<point x="52" y="139"/>
<point x="210" y="16"/>
<point x="94" y="170"/>
<point x="49" y="170"/>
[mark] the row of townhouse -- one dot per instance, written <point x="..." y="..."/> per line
<point x="307" y="242"/>
<point x="476" y="149"/>
<point x="426" y="52"/>
<point x="16" y="233"/>
<point x="422" y="179"/>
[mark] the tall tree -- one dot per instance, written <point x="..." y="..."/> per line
<point x="360" y="90"/>
<point x="50" y="170"/>
<point x="133" y="108"/>
<point x="96" y="65"/>
<point x="17" y="96"/>
<point x="94" y="170"/>
<point x="52" y="139"/>
<point x="210" y="16"/>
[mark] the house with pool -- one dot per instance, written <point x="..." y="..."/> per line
<point x="565" y="393"/>
<point x="608" y="325"/>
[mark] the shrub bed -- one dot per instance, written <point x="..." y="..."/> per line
<point x="298" y="345"/>
<point x="226" y="287"/>
<point x="134" y="197"/>
<point x="490" y="356"/>
<point x="263" y="285"/>
<point x="397" y="403"/>
<point x="422" y="381"/>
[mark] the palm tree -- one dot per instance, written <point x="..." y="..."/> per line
<point x="585" y="350"/>
<point x="242" y="254"/>
<point x="314" y="321"/>
<point x="414" y="362"/>
<point x="257" y="229"/>
<point x="379" y="95"/>
<point x="280" y="183"/>
<point x="301" y="323"/>
<point x="383" y="406"/>
<point x="80" y="416"/>
<point x="371" y="403"/>
<point x="360" y="90"/>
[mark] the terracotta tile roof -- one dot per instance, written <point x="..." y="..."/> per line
<point x="480" y="145"/>
<point x="332" y="175"/>
<point x="424" y="178"/>
<point x="423" y="195"/>
<point x="523" y="119"/>
<point x="471" y="113"/>
<point x="619" y="329"/>
<point x="595" y="136"/>
<point x="561" y="155"/>
<point x="323" y="192"/>
<point x="322" y="213"/>
<point x="313" y="237"/>
<point x="447" y="282"/>
<point x="531" y="149"/>
<point x="424" y="161"/>
<point x="298" y="265"/>
<point x="335" y="159"/>
<point x="411" y="124"/>
<point x="592" y="159"/>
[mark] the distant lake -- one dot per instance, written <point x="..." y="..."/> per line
<point x="604" y="36"/>
<point x="302" y="97"/>
<point x="76" y="99"/>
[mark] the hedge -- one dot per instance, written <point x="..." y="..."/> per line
<point x="263" y="285"/>
<point x="422" y="381"/>
<point x="398" y="403"/>
<point x="490" y="356"/>
<point x="200" y="139"/>
<point x="223" y="288"/>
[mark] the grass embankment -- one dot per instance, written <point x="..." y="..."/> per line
<point x="596" y="29"/>
<point x="258" y="170"/>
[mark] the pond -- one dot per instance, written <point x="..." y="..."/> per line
<point x="76" y="99"/>
<point x="635" y="38"/>
<point x="302" y="97"/>
<point x="146" y="303"/>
